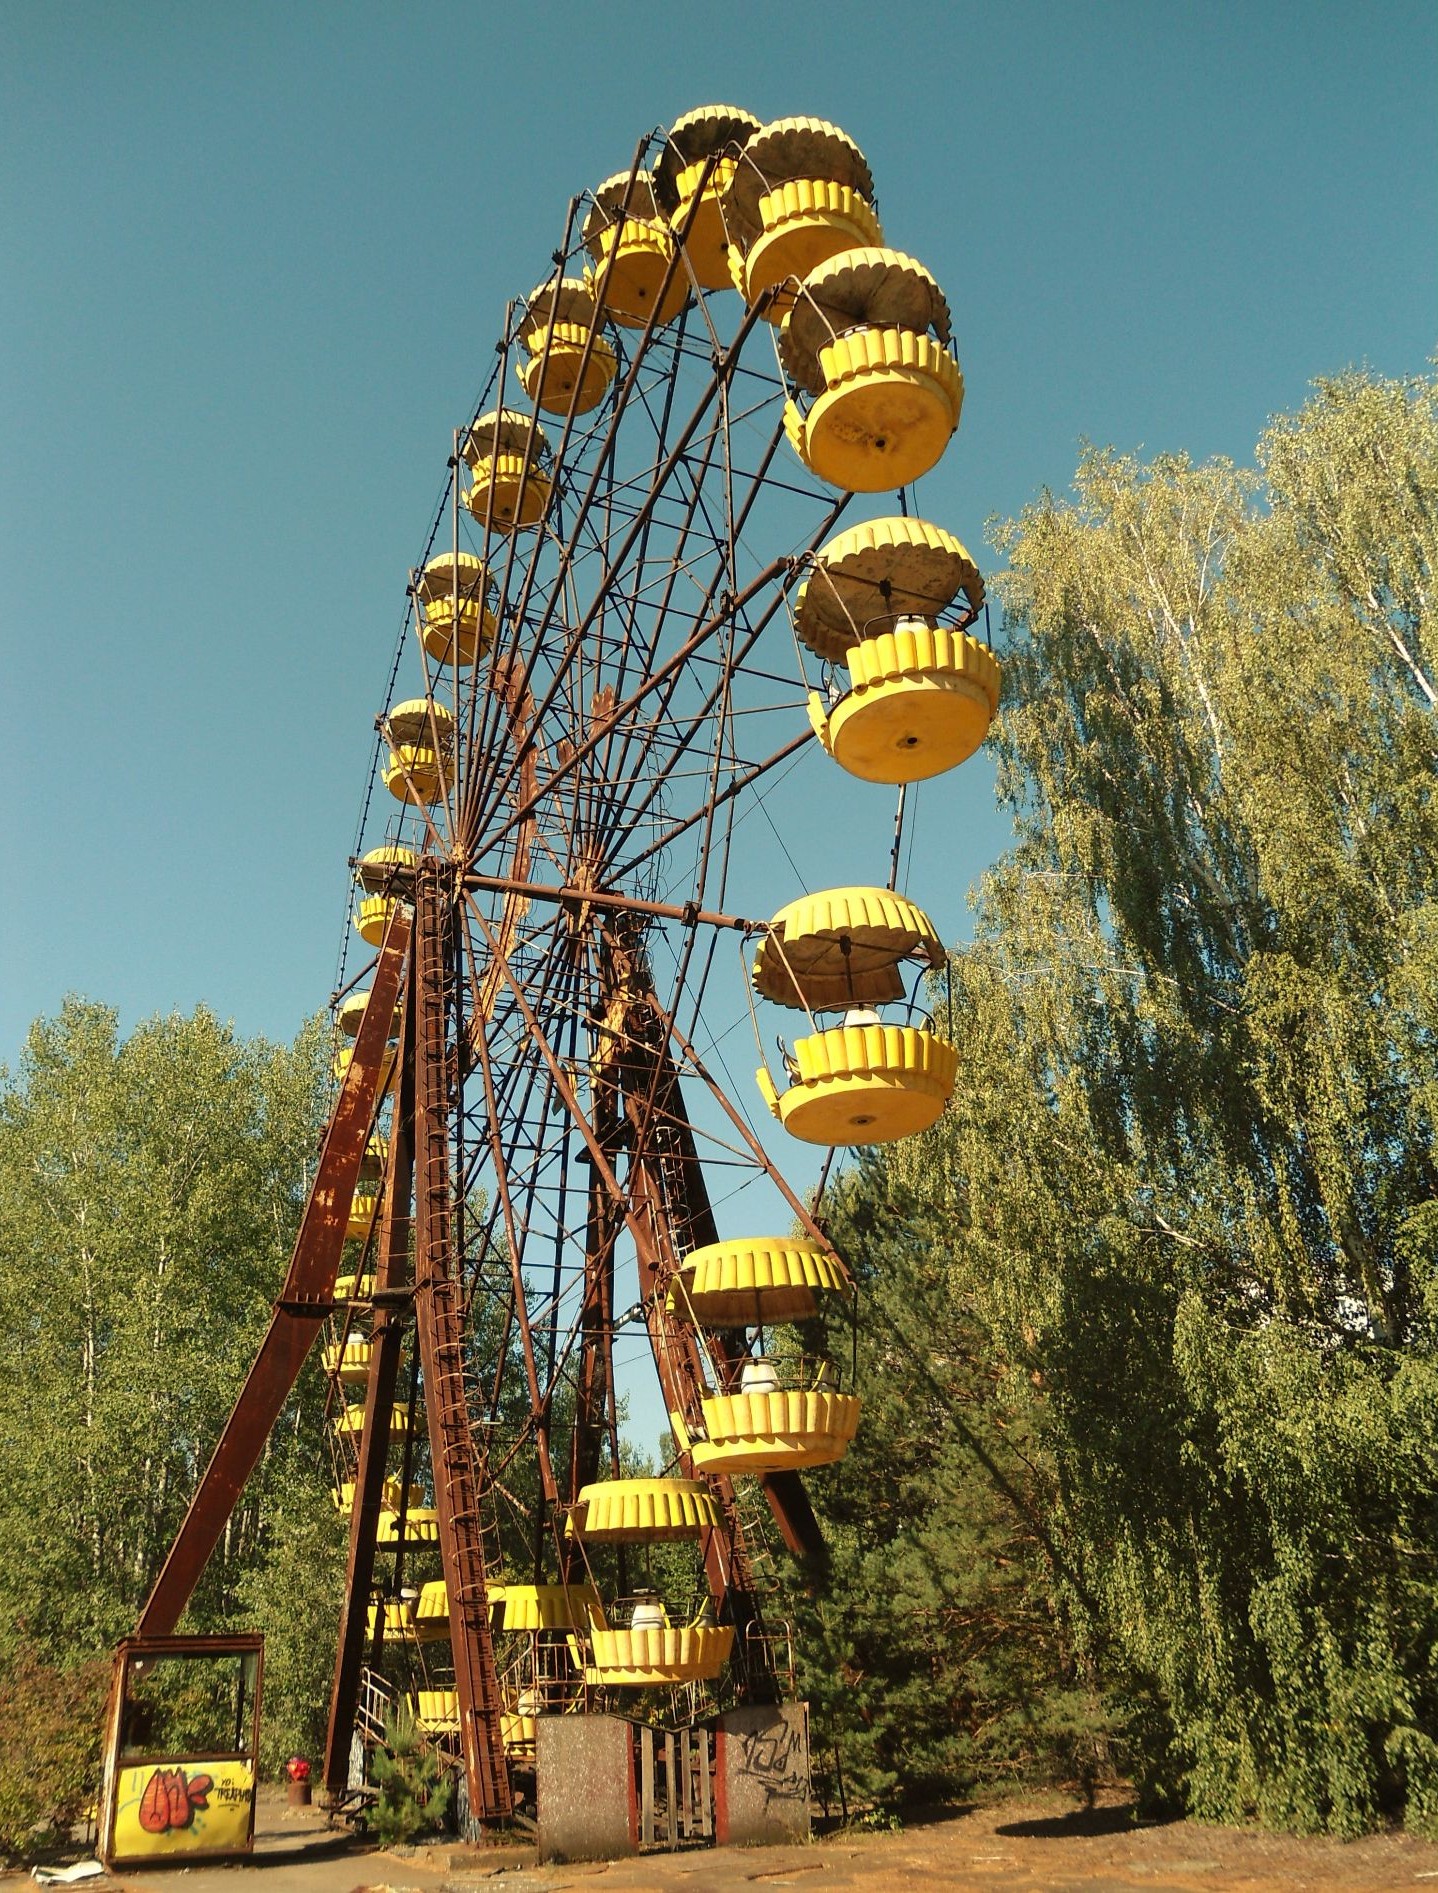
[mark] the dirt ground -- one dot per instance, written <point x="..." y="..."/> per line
<point x="1038" y="1843"/>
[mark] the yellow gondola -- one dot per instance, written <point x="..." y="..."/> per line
<point x="385" y="877"/>
<point x="437" y="1711"/>
<point x="770" y="1430"/>
<point x="761" y="1426"/>
<point x="454" y="591"/>
<point x="921" y="695"/>
<point x="690" y="190"/>
<point x="571" y="362"/>
<point x="354" y="1287"/>
<point x="801" y="192"/>
<point x="633" y="251"/>
<point x="652" y="1656"/>
<point x="867" y="337"/>
<point x="502" y="495"/>
<point x="420" y="733"/>
<point x="643" y="1511"/>
<point x="349" y="1359"/>
<point x="864" y="1084"/>
<point x="756" y="1281"/>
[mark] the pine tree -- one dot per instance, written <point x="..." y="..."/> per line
<point x="415" y="1783"/>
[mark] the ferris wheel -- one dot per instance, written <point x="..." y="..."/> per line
<point x="677" y="550"/>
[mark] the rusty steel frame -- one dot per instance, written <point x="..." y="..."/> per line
<point x="510" y="1001"/>
<point x="305" y="1300"/>
<point x="643" y="1210"/>
<point x="457" y="1473"/>
<point x="392" y="1272"/>
<point x="580" y="897"/>
<point x="608" y="1208"/>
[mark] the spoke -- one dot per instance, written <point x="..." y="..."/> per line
<point x="626" y="544"/>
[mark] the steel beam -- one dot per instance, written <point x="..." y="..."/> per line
<point x="387" y="1343"/>
<point x="304" y="1301"/>
<point x="440" y="1321"/>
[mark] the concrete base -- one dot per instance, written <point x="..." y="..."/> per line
<point x="761" y="1775"/>
<point x="584" y="1785"/>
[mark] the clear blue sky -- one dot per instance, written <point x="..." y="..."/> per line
<point x="254" y="261"/>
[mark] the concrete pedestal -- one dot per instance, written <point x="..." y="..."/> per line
<point x="584" y="1784"/>
<point x="761" y="1775"/>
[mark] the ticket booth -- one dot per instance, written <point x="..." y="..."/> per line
<point x="181" y="1759"/>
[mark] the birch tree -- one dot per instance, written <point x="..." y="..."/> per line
<point x="1187" y="1191"/>
<point x="150" y="1189"/>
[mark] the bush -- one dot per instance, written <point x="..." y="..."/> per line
<point x="50" y="1726"/>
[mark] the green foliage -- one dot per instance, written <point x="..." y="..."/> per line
<point x="1183" y="1208"/>
<point x="150" y="1190"/>
<point x="935" y="1647"/>
<point x="150" y="1193"/>
<point x="293" y="1593"/>
<point x="49" y="1747"/>
<point x="415" y="1784"/>
<point x="1147" y="1331"/>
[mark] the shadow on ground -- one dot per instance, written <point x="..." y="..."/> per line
<point x="304" y="1846"/>
<point x="1084" y="1823"/>
<point x="832" y="1822"/>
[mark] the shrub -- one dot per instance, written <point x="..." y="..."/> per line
<point x="414" y="1784"/>
<point x="50" y="1725"/>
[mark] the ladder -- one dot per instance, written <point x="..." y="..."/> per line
<point x="439" y="1320"/>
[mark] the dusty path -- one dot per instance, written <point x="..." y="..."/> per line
<point x="1036" y="1844"/>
